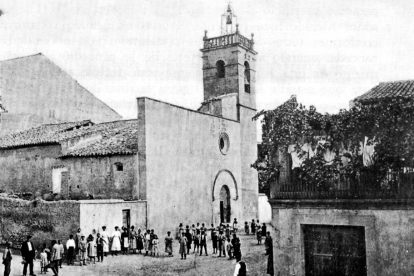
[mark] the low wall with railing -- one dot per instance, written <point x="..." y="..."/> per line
<point x="369" y="185"/>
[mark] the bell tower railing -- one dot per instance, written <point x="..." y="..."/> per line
<point x="227" y="40"/>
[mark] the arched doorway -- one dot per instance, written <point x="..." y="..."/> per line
<point x="225" y="210"/>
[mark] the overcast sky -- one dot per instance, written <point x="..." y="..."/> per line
<point x="325" y="52"/>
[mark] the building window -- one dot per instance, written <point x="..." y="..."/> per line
<point x="221" y="70"/>
<point x="224" y="143"/>
<point x="119" y="167"/>
<point x="246" y="77"/>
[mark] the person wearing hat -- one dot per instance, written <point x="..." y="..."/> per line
<point x="7" y="258"/>
<point x="28" y="255"/>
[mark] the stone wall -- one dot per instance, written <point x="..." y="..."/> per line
<point x="30" y="169"/>
<point x="388" y="237"/>
<point x="36" y="91"/>
<point x="44" y="220"/>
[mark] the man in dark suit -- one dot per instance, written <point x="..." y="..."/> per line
<point x="203" y="243"/>
<point x="28" y="255"/>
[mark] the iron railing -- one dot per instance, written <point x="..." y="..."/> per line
<point x="365" y="185"/>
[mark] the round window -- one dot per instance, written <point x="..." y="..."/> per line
<point x="224" y="143"/>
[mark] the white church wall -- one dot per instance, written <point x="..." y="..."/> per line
<point x="265" y="210"/>
<point x="182" y="161"/>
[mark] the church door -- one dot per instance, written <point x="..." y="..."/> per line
<point x="225" y="204"/>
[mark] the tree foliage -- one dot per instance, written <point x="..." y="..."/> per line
<point x="387" y="125"/>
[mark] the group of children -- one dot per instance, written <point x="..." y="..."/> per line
<point x="220" y="237"/>
<point x="255" y="229"/>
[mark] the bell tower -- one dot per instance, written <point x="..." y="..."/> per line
<point x="229" y="79"/>
<point x="229" y="63"/>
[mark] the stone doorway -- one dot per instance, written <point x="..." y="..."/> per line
<point x="225" y="209"/>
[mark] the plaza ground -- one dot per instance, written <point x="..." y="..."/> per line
<point x="253" y="255"/>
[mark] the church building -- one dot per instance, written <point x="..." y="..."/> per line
<point x="174" y="164"/>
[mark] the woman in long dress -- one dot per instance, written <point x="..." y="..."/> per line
<point x="125" y="241"/>
<point x="168" y="244"/>
<point x="133" y="240"/>
<point x="140" y="241"/>
<point x="105" y="237"/>
<point x="147" y="242"/>
<point x="116" y="242"/>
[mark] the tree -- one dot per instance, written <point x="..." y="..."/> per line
<point x="387" y="126"/>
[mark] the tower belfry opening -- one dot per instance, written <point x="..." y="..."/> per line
<point x="228" y="21"/>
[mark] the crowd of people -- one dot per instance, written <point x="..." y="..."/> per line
<point x="87" y="249"/>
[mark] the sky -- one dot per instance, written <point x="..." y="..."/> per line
<point x="325" y="52"/>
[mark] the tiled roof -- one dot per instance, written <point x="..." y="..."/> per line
<point x="404" y="89"/>
<point x="44" y="134"/>
<point x="118" y="137"/>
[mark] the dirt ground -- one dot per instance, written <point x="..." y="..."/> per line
<point x="135" y="264"/>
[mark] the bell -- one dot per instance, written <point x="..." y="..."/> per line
<point x="229" y="21"/>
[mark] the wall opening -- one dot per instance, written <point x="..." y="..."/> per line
<point x="224" y="143"/>
<point x="221" y="70"/>
<point x="119" y="167"/>
<point x="246" y="77"/>
<point x="225" y="210"/>
<point x="59" y="178"/>
<point x="334" y="250"/>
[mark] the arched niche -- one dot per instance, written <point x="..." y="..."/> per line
<point x="225" y="178"/>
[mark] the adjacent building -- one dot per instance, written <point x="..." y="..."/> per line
<point x="348" y="229"/>
<point x="35" y="91"/>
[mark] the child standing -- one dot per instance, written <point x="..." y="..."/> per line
<point x="155" y="246"/>
<point x="82" y="250"/>
<point x="189" y="237"/>
<point x="214" y="240"/>
<point x="235" y="226"/>
<point x="229" y="248"/>
<point x="43" y="261"/>
<point x="100" y="247"/>
<point x="259" y="235"/>
<point x="253" y="227"/>
<point x="246" y="228"/>
<point x="147" y="242"/>
<point x="168" y="244"/>
<point x="221" y="244"/>
<point x="228" y="231"/>
<point x="140" y="241"/>
<point x="183" y="247"/>
<point x="91" y="249"/>
<point x="197" y="241"/>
